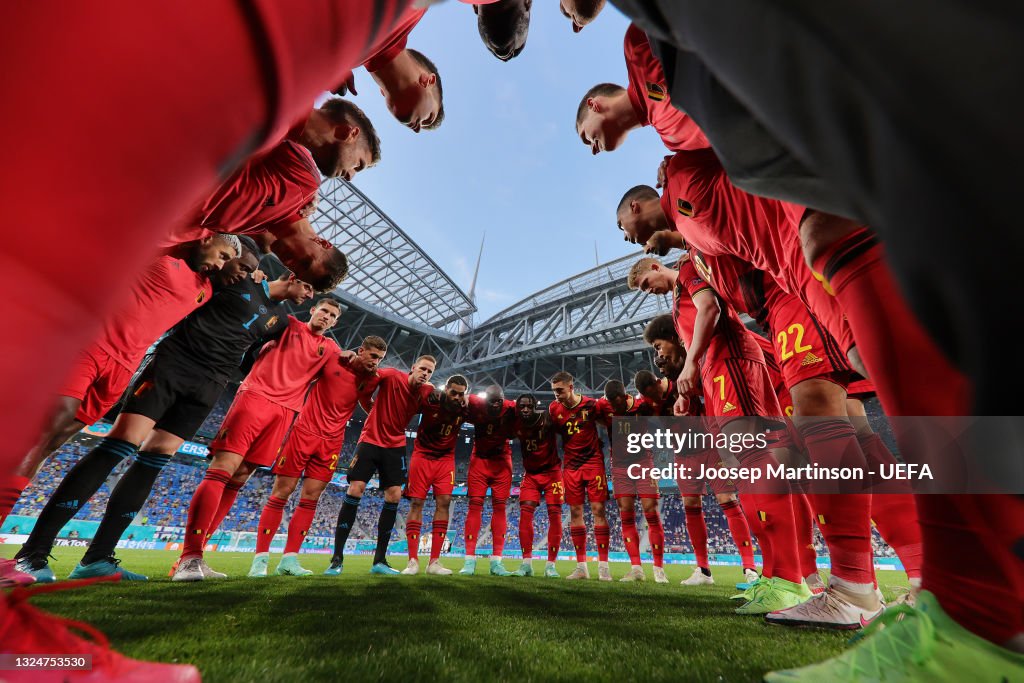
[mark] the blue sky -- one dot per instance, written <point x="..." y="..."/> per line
<point x="506" y="160"/>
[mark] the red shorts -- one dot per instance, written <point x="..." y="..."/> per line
<point x="697" y="486"/>
<point x="305" y="452"/>
<point x="97" y="380"/>
<point x="803" y="347"/>
<point x="548" y="484"/>
<point x="495" y="474"/>
<point x="861" y="389"/>
<point x="736" y="387"/>
<point x="432" y="473"/>
<point x="254" y="428"/>
<point x="591" y="479"/>
<point x="625" y="485"/>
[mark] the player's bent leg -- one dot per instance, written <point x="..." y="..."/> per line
<point x="474" y="520"/>
<point x="413" y="525"/>
<point x="499" y="528"/>
<point x="343" y="526"/>
<point x="438" y="534"/>
<point x="578" y="532"/>
<point x="527" y="509"/>
<point x="298" y="527"/>
<point x="602" y="534"/>
<point x="201" y="512"/>
<point x="656" y="535"/>
<point x="630" y="537"/>
<point x="270" y="522"/>
<point x="385" y="525"/>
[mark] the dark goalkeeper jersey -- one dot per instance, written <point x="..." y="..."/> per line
<point x="215" y="337"/>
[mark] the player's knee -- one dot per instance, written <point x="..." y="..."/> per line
<point x="819" y="231"/>
<point x="476" y="502"/>
<point x="393" y="494"/>
<point x="649" y="504"/>
<point x="818" y="397"/>
<point x="442" y="501"/>
<point x="722" y="498"/>
<point x="692" y="501"/>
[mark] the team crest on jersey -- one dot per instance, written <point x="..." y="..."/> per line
<point x="684" y="207"/>
<point x="270" y="323"/>
<point x="583" y="414"/>
<point x="201" y="297"/>
<point x="320" y="350"/>
<point x="656" y="92"/>
<point x="262" y="309"/>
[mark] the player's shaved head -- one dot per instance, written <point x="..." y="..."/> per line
<point x="504" y="26"/>
<point x="644" y="380"/>
<point x="493" y="393"/>
<point x="614" y="389"/>
<point x="339" y="110"/>
<point x="599" y="90"/>
<point x="636" y="193"/>
<point x="423" y="61"/>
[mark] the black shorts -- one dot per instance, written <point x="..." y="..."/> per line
<point x="390" y="463"/>
<point x="173" y="394"/>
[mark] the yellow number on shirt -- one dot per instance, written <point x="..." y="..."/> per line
<point x="572" y="427"/>
<point x="446" y="430"/>
<point x="720" y="381"/>
<point x="798" y="346"/>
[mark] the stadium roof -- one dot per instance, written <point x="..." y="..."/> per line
<point x="388" y="270"/>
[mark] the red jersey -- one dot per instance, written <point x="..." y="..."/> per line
<point x="268" y="191"/>
<point x="665" y="406"/>
<point x="282" y="373"/>
<point x="578" y="427"/>
<point x="395" y="405"/>
<point x="167" y="292"/>
<point x="729" y="333"/>
<point x="491" y="433"/>
<point x="334" y="397"/>
<point x="438" y="431"/>
<point x="538" y="445"/>
<point x="717" y="218"/>
<point x="747" y="289"/>
<point x="648" y="93"/>
<point x="387" y="47"/>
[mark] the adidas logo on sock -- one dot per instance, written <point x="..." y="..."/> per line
<point x="810" y="359"/>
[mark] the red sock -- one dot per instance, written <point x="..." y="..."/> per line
<point x="986" y="531"/>
<point x="579" y="541"/>
<point x="299" y="524"/>
<point x="630" y="536"/>
<point x="831" y="442"/>
<point x="473" y="521"/>
<point x="911" y="375"/>
<point x="845" y="522"/>
<point x="11" y="487"/>
<point x="412" y="537"/>
<point x="526" y="530"/>
<point x="201" y="511"/>
<point x="740" y="532"/>
<point x="754" y="524"/>
<point x="804" y="516"/>
<point x="698" y="532"/>
<point x="656" y="535"/>
<point x="894" y="514"/>
<point x="227" y="501"/>
<point x="775" y="512"/>
<point x="554" y="531"/>
<point x="438" y="531"/>
<point x="270" y="522"/>
<point x="499" y="526"/>
<point x="603" y="536"/>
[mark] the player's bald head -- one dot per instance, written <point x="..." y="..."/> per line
<point x="494" y="393"/>
<point x="504" y="26"/>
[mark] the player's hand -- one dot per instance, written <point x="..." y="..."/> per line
<point x="681" y="408"/>
<point x="689" y="379"/>
<point x="258" y="276"/>
<point x="662" y="242"/>
<point x="662" y="173"/>
<point x="349" y="86"/>
<point x="346" y="356"/>
<point x="309" y="209"/>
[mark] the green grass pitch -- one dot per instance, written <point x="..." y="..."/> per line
<point x="433" y="628"/>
